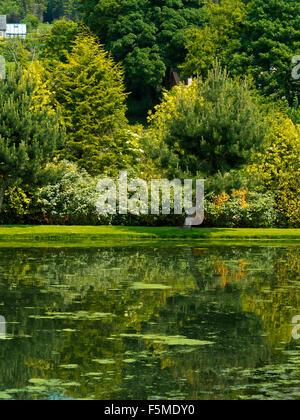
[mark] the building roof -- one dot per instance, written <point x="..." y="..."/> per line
<point x="16" y="29"/>
<point x="3" y="23"/>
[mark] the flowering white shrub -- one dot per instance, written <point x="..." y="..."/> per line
<point x="70" y="197"/>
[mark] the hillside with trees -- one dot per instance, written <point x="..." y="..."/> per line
<point x="164" y="89"/>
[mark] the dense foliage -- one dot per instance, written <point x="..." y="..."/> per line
<point x="220" y="37"/>
<point x="259" y="37"/>
<point x="90" y="92"/>
<point x="48" y="9"/>
<point x="28" y="136"/>
<point x="213" y="125"/>
<point x="279" y="167"/>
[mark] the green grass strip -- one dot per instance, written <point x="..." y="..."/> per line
<point x="117" y="234"/>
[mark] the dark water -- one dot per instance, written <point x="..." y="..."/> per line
<point x="144" y="323"/>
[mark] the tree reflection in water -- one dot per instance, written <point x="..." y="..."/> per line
<point x="141" y="323"/>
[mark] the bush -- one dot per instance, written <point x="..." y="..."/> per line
<point x="70" y="199"/>
<point x="70" y="196"/>
<point x="20" y="207"/>
<point x="242" y="209"/>
<point x="234" y="180"/>
<point x="16" y="206"/>
<point x="31" y="21"/>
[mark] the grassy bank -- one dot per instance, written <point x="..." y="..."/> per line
<point x="93" y="235"/>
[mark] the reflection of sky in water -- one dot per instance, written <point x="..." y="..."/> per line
<point x="145" y="323"/>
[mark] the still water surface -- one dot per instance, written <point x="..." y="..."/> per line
<point x="147" y="323"/>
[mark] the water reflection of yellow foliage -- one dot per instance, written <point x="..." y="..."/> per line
<point x="144" y="305"/>
<point x="133" y="309"/>
<point x="223" y="272"/>
<point x="227" y="274"/>
<point x="40" y="366"/>
<point x="273" y="298"/>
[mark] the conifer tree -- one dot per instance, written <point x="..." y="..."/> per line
<point x="213" y="125"/>
<point x="90" y="91"/>
<point x="28" y="136"/>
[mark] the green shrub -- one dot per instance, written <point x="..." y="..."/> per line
<point x="21" y="206"/>
<point x="243" y="209"/>
<point x="234" y="180"/>
<point x="70" y="199"/>
<point x="70" y="196"/>
<point x="31" y="21"/>
<point x="16" y="206"/>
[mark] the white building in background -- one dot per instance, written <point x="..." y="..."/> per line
<point x="12" y="30"/>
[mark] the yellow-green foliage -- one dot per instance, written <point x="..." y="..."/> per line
<point x="279" y="166"/>
<point x="211" y="125"/>
<point x="42" y="96"/>
<point x="90" y="91"/>
<point x="174" y="103"/>
<point x="220" y="38"/>
<point x="16" y="204"/>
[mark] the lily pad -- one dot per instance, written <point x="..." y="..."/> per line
<point x="104" y="361"/>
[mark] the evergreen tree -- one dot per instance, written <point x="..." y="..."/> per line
<point x="89" y="89"/>
<point x="211" y="126"/>
<point x="28" y="136"/>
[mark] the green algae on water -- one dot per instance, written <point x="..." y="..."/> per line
<point x="175" y="340"/>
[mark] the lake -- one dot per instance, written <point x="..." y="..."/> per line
<point x="211" y="322"/>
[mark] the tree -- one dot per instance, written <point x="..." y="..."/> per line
<point x="28" y="136"/>
<point x="279" y="167"/>
<point x="90" y="91"/>
<point x="9" y="7"/>
<point x="14" y="51"/>
<point x="148" y="37"/>
<point x="220" y="38"/>
<point x="257" y="37"/>
<point x="269" y="41"/>
<point x="60" y="40"/>
<point x="18" y="9"/>
<point x="57" y="9"/>
<point x="211" y="126"/>
<point x="31" y="21"/>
